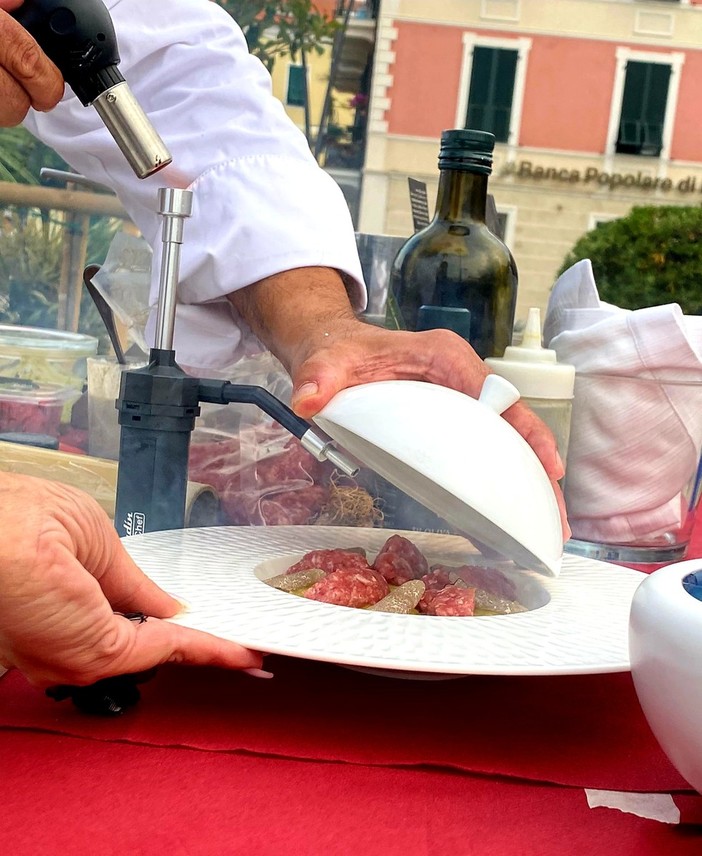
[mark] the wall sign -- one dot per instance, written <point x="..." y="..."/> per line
<point x="594" y="177"/>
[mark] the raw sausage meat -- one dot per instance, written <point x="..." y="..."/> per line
<point x="330" y="560"/>
<point x="451" y="600"/>
<point x="400" y="561"/>
<point x="356" y="588"/>
<point x="487" y="579"/>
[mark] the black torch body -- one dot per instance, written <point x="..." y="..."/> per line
<point x="158" y="405"/>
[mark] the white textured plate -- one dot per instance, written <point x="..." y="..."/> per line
<point x="581" y="628"/>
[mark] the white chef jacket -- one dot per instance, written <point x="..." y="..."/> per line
<point x="261" y="203"/>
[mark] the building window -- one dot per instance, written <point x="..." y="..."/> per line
<point x="491" y="91"/>
<point x="643" y="109"/>
<point x="644" y="103"/>
<point x="596" y="218"/>
<point x="504" y="225"/>
<point x="492" y="85"/>
<point x="295" y="92"/>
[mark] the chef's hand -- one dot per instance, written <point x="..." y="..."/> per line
<point x="28" y="78"/>
<point x="304" y="316"/>
<point x="63" y="574"/>
<point x="355" y="352"/>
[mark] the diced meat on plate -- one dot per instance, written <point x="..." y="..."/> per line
<point x="330" y="560"/>
<point x="451" y="600"/>
<point x="488" y="579"/>
<point x="356" y="588"/>
<point x="399" y="561"/>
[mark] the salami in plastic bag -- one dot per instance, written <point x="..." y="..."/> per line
<point x="263" y="475"/>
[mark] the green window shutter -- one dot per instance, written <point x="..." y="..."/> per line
<point x="643" y="108"/>
<point x="296" y="86"/>
<point x="491" y="91"/>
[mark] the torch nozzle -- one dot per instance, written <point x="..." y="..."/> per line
<point x="132" y="131"/>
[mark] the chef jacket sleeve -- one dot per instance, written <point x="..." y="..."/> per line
<point x="262" y="205"/>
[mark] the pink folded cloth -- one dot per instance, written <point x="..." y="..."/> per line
<point x="636" y="430"/>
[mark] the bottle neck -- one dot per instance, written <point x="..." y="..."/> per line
<point x="462" y="195"/>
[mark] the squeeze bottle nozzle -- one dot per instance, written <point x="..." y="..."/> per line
<point x="545" y="385"/>
<point x="533" y="369"/>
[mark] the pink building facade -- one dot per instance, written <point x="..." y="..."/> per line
<point x="595" y="105"/>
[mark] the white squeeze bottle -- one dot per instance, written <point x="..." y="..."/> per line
<point x="544" y="384"/>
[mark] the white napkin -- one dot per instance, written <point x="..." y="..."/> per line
<point x="636" y="431"/>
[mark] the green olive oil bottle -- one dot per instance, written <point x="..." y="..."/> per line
<point x="456" y="273"/>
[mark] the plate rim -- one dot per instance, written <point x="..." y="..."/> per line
<point x="143" y="550"/>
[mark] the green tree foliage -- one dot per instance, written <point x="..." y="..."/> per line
<point x="650" y="257"/>
<point x="278" y="28"/>
<point x="22" y="156"/>
<point x="30" y="263"/>
<point x="31" y="243"/>
<point x="31" y="253"/>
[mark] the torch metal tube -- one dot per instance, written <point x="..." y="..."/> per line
<point x="174" y="205"/>
<point x="132" y="130"/>
<point x="324" y="450"/>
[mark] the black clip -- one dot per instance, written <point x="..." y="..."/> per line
<point x="110" y="696"/>
<point x="138" y="617"/>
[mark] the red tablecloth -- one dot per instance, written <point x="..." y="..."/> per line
<point x="324" y="760"/>
<point x="77" y="796"/>
<point x="585" y="732"/>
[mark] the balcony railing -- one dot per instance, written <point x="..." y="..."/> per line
<point x="359" y="8"/>
<point x="640" y="138"/>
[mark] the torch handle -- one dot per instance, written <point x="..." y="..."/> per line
<point x="79" y="37"/>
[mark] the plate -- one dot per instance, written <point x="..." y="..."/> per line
<point x="580" y="626"/>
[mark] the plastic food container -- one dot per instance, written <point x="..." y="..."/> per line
<point x="33" y="408"/>
<point x="45" y="356"/>
<point x="104" y="376"/>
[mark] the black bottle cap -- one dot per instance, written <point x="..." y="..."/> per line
<point x="463" y="148"/>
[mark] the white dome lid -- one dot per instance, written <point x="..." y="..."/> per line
<point x="458" y="457"/>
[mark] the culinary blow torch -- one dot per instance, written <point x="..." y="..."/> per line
<point x="158" y="406"/>
<point x="79" y="37"/>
